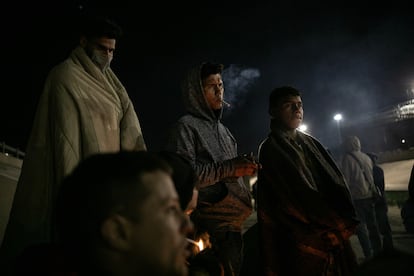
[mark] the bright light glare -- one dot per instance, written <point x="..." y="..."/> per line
<point x="338" y="117"/>
<point x="303" y="128"/>
<point x="403" y="141"/>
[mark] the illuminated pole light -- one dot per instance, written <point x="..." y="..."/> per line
<point x="338" y="118"/>
<point x="402" y="141"/>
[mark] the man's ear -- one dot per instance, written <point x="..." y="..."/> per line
<point x="116" y="231"/>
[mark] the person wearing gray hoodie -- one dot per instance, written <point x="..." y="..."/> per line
<point x="357" y="169"/>
<point x="224" y="201"/>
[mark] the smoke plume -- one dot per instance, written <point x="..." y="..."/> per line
<point x="237" y="81"/>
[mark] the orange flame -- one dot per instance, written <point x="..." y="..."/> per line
<point x="200" y="245"/>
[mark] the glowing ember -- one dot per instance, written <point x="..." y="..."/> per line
<point x="200" y="245"/>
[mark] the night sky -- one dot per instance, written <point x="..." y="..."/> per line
<point x="354" y="59"/>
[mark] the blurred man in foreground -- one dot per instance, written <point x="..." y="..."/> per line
<point x="119" y="214"/>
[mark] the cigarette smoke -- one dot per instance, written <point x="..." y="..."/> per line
<point x="237" y="81"/>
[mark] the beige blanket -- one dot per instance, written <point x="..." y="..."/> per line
<point x="82" y="111"/>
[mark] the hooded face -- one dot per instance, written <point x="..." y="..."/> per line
<point x="213" y="91"/>
<point x="101" y="51"/>
<point x="352" y="143"/>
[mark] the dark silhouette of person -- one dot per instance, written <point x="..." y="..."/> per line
<point x="407" y="209"/>
<point x="381" y="205"/>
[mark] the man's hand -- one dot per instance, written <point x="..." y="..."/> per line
<point x="245" y="165"/>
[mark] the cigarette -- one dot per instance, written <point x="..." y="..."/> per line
<point x="226" y="103"/>
<point x="192" y="241"/>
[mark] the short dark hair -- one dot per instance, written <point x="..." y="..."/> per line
<point x="210" y="68"/>
<point x="280" y="93"/>
<point x="183" y="175"/>
<point x="99" y="26"/>
<point x="98" y="186"/>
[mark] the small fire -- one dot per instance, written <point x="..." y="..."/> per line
<point x="200" y="245"/>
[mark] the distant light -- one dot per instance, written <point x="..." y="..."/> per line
<point x="6" y="154"/>
<point x="338" y="117"/>
<point x="303" y="128"/>
<point x="403" y="141"/>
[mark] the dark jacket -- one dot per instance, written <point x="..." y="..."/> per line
<point x="305" y="212"/>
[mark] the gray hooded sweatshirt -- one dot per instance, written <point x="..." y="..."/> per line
<point x="360" y="183"/>
<point x="224" y="201"/>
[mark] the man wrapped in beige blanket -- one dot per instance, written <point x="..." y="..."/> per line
<point x="84" y="109"/>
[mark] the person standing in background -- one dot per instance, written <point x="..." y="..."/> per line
<point x="407" y="209"/>
<point x="357" y="168"/>
<point x="224" y="201"/>
<point x="411" y="184"/>
<point x="381" y="206"/>
<point x="84" y="109"/>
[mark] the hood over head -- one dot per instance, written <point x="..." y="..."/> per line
<point x="193" y="96"/>
<point x="352" y="143"/>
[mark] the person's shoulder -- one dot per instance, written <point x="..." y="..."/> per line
<point x="188" y="119"/>
<point x="265" y="145"/>
<point x="364" y="154"/>
<point x="310" y="138"/>
<point x="307" y="136"/>
<point x="365" y="157"/>
<point x="61" y="72"/>
<point x="377" y="168"/>
<point x="347" y="157"/>
<point x="264" y="141"/>
<point x="182" y="122"/>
